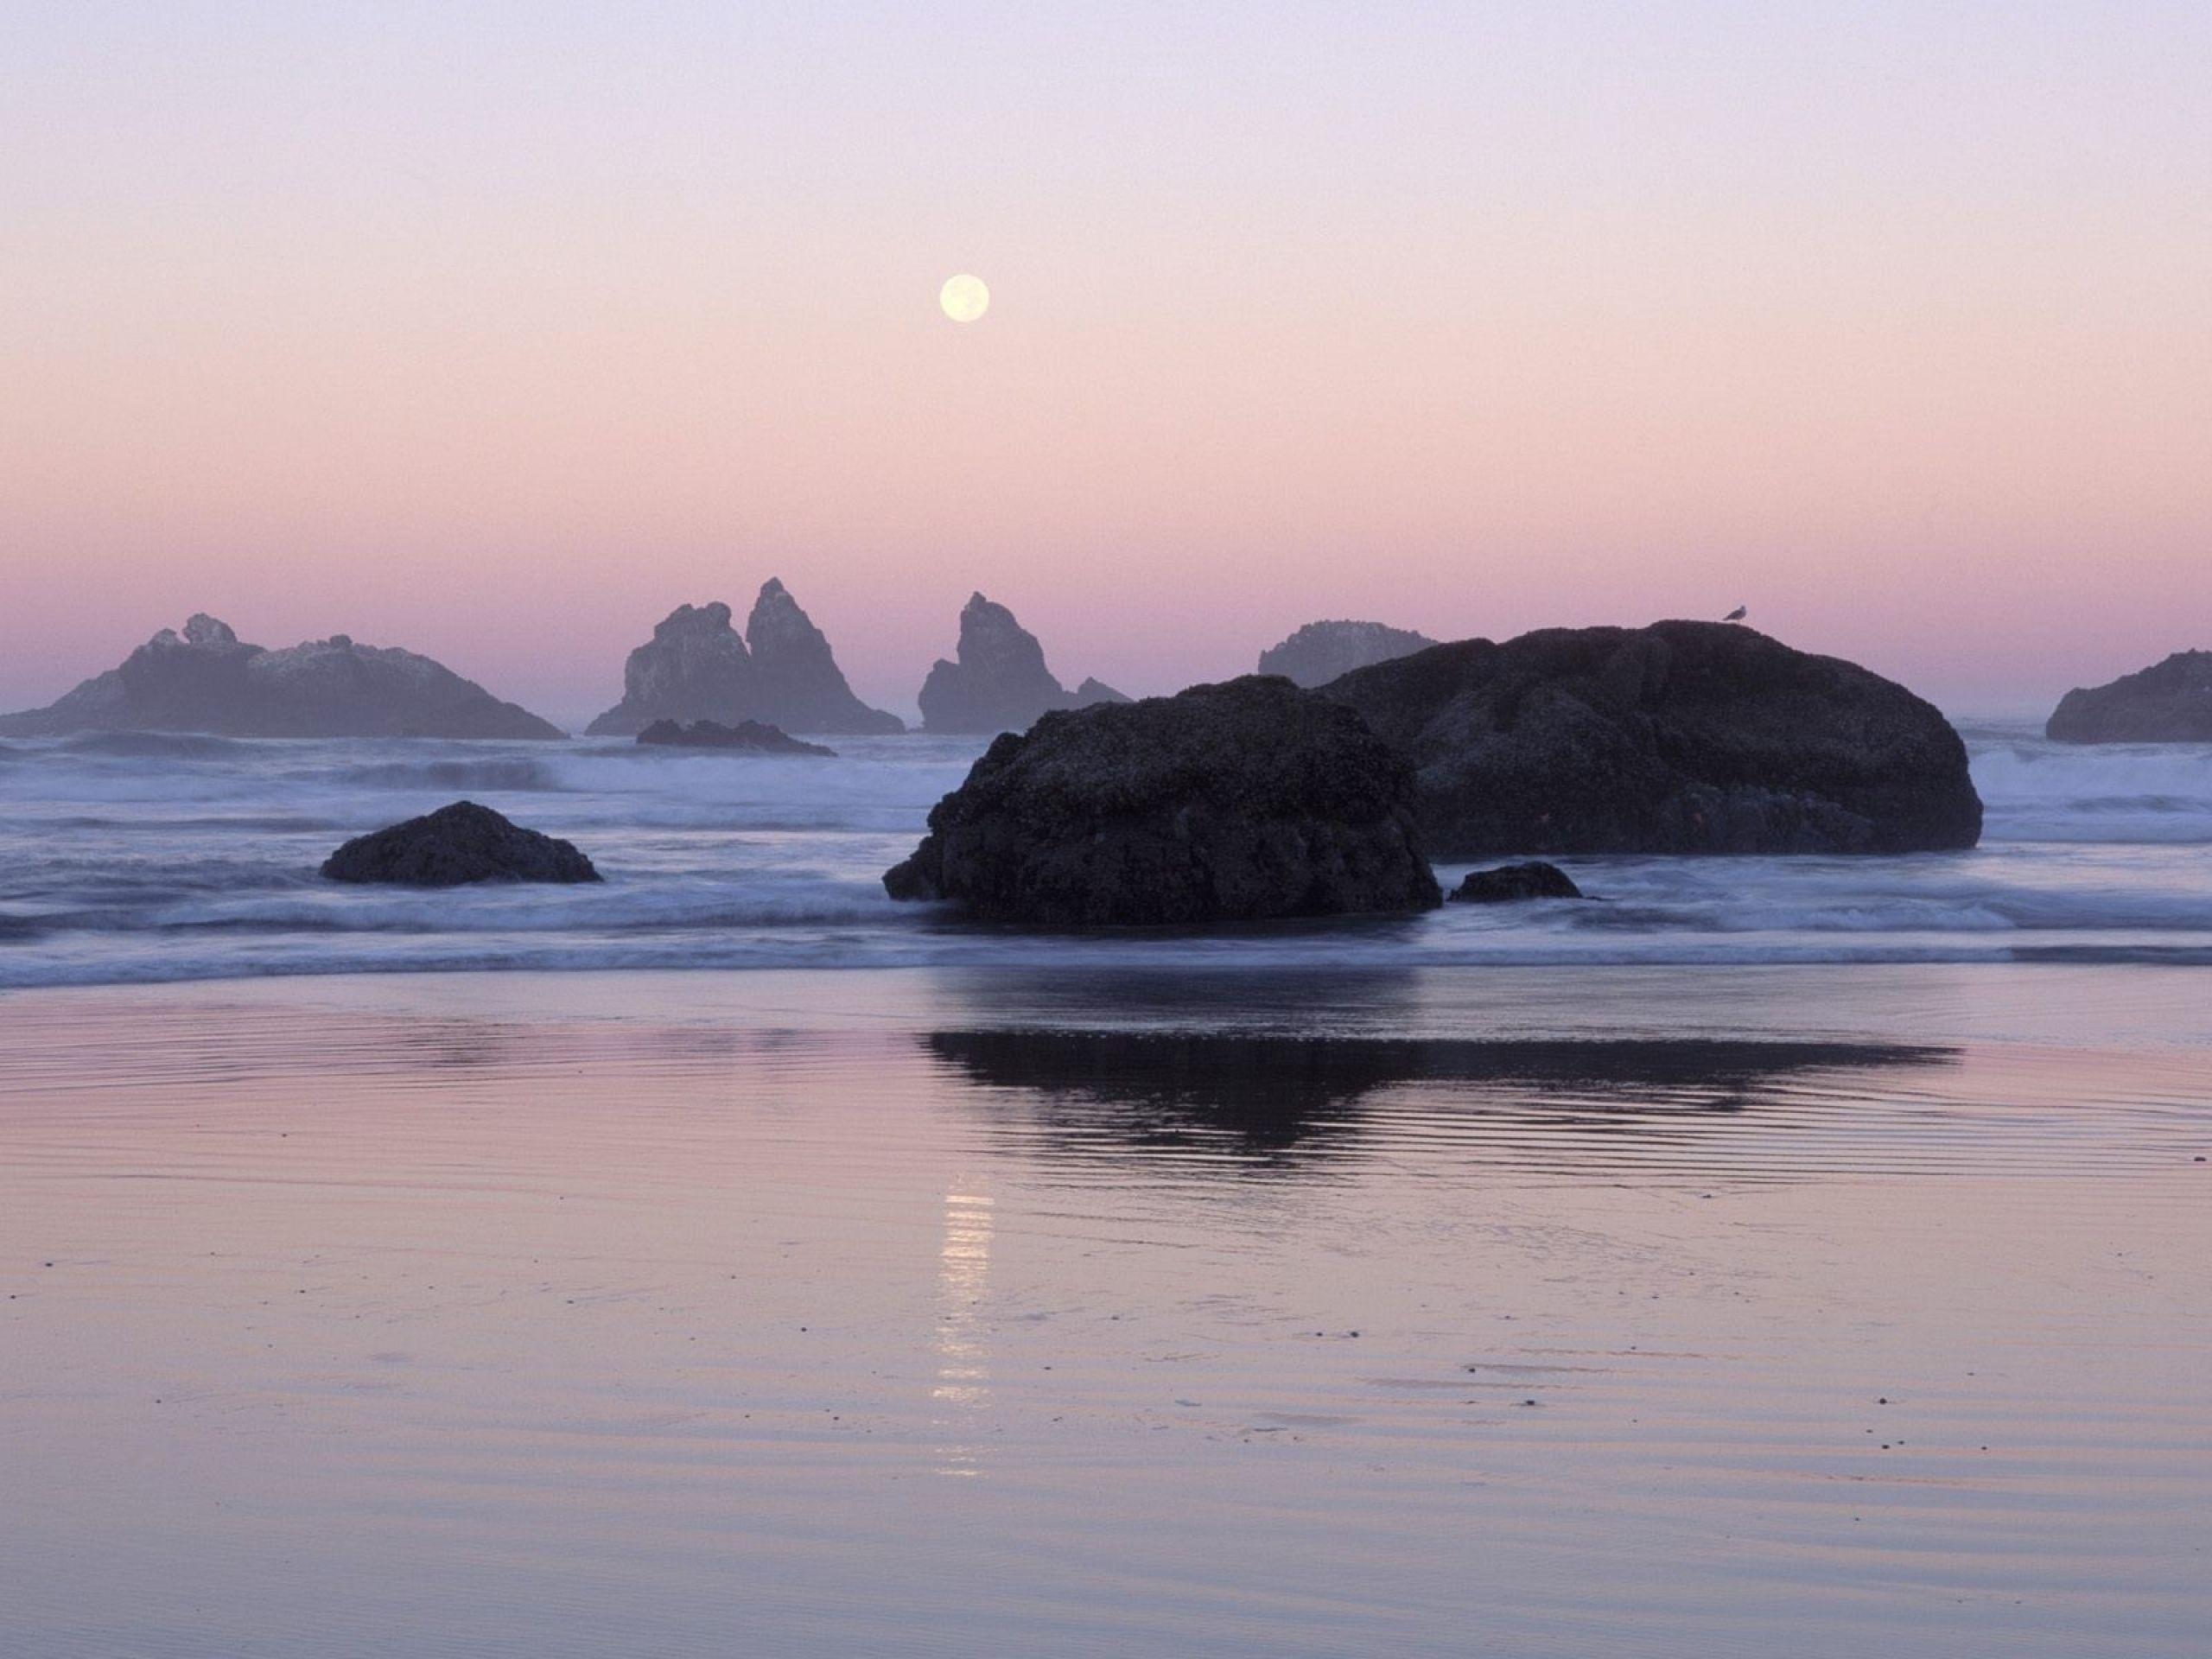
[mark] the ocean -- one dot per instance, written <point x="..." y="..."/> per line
<point x="132" y="858"/>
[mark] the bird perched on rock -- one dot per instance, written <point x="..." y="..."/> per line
<point x="1738" y="614"/>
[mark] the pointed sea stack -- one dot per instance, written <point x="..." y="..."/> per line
<point x="1682" y="737"/>
<point x="797" y="684"/>
<point x="999" y="683"/>
<point x="1229" y="803"/>
<point x="2167" y="703"/>
<point x="206" y="680"/>
<point x="695" y="667"/>
<point x="1320" y="651"/>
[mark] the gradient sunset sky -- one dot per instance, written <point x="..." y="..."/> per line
<point x="497" y="331"/>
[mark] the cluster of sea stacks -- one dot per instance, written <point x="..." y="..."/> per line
<point x="1322" y="786"/>
<point x="780" y="672"/>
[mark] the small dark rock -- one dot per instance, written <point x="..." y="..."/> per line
<point x="1510" y="882"/>
<point x="750" y="736"/>
<point x="455" y="845"/>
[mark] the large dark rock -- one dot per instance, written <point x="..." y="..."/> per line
<point x="1511" y="883"/>
<point x="999" y="683"/>
<point x="748" y="735"/>
<point x="1683" y="737"/>
<point x="207" y="681"/>
<point x="695" y="667"/>
<point x="455" y="845"/>
<point x="1320" y="651"/>
<point x="1226" y="802"/>
<point x="797" y="684"/>
<point x="2167" y="703"/>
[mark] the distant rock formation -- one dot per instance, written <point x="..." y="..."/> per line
<point x="2167" y="703"/>
<point x="454" y="845"/>
<point x="1510" y="883"/>
<point x="1320" y="651"/>
<point x="1683" y="737"/>
<point x="207" y="681"/>
<point x="1001" y="683"/>
<point x="747" y="735"/>
<point x="800" y="686"/>
<point x="695" y="667"/>
<point x="1226" y="802"/>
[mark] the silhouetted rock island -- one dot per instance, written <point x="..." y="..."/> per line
<point x="999" y="683"/>
<point x="1320" y="652"/>
<point x="206" y="680"/>
<point x="748" y="736"/>
<point x="781" y="671"/>
<point x="454" y="846"/>
<point x="1511" y="883"/>
<point x="2167" y="703"/>
<point x="1681" y="737"/>
<point x="1226" y="802"/>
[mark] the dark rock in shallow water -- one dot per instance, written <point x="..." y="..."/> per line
<point x="2167" y="703"/>
<point x="749" y="735"/>
<point x="455" y="845"/>
<point x="1320" y="652"/>
<point x="798" y="686"/>
<point x="1226" y="802"/>
<point x="695" y="667"/>
<point x="1683" y="737"/>
<point x="999" y="683"/>
<point x="1512" y="882"/>
<point x="207" y="681"/>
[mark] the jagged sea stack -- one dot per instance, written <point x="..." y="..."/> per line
<point x="206" y="680"/>
<point x="1682" y="737"/>
<point x="1229" y="802"/>
<point x="2167" y="703"/>
<point x="695" y="667"/>
<point x="1320" y="651"/>
<point x="999" y="683"/>
<point x="797" y="684"/>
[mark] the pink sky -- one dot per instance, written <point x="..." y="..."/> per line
<point x="499" y="337"/>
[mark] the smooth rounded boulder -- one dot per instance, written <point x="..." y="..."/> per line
<point x="1681" y="737"/>
<point x="454" y="845"/>
<point x="1231" y="803"/>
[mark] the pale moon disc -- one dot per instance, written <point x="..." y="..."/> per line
<point x="965" y="297"/>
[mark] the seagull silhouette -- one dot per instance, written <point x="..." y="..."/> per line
<point x="1738" y="614"/>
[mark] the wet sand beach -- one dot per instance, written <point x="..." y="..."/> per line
<point x="1620" y="1311"/>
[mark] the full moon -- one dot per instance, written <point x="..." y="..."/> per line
<point x="965" y="297"/>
